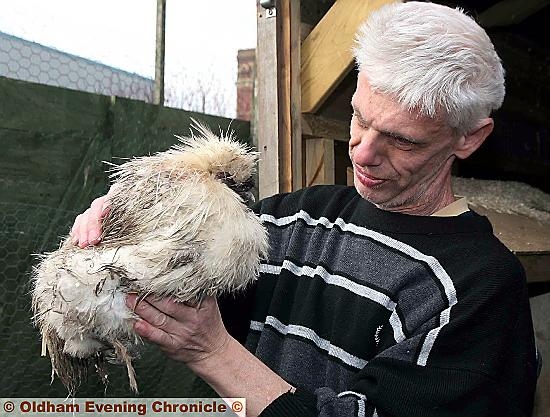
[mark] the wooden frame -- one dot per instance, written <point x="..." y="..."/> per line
<point x="326" y="52"/>
<point x="278" y="105"/>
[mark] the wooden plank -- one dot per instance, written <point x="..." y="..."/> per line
<point x="284" y="67"/>
<point x="536" y="265"/>
<point x="326" y="52"/>
<point x="267" y="107"/>
<point x="298" y="174"/>
<point x="349" y="176"/>
<point x="521" y="234"/>
<point x="319" y="161"/>
<point x="314" y="126"/>
<point x="527" y="238"/>
<point x="289" y="100"/>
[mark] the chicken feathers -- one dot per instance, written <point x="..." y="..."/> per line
<point x="178" y="226"/>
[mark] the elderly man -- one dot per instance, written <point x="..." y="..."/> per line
<point x="389" y="298"/>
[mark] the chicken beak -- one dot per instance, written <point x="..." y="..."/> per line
<point x="249" y="197"/>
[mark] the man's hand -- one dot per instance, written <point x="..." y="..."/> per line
<point x="86" y="229"/>
<point x="197" y="336"/>
<point x="184" y="333"/>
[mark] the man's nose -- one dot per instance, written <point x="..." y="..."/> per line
<point x="366" y="147"/>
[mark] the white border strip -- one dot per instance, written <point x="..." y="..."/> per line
<point x="340" y="281"/>
<point x="361" y="408"/>
<point x="309" y="334"/>
<point x="357" y="394"/>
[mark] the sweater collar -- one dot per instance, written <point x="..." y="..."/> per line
<point x="383" y="220"/>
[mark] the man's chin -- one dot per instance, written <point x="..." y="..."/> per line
<point x="371" y="195"/>
<point x="376" y="197"/>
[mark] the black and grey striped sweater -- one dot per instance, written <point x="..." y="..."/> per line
<point x="374" y="313"/>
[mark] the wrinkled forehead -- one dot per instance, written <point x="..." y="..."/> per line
<point x="385" y="111"/>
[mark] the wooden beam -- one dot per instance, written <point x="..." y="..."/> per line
<point x="296" y="29"/>
<point x="536" y="266"/>
<point x="314" y="126"/>
<point x="289" y="100"/>
<point x="278" y="104"/>
<point x="326" y="52"/>
<point x="319" y="161"/>
<point x="510" y="12"/>
<point x="267" y="107"/>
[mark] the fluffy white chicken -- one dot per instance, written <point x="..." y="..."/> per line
<point x="177" y="226"/>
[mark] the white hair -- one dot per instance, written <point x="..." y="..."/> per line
<point x="434" y="60"/>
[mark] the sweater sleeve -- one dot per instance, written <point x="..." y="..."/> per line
<point x="235" y="310"/>
<point x="483" y="363"/>
<point x="389" y="387"/>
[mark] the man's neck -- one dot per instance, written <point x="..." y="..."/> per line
<point x="428" y="204"/>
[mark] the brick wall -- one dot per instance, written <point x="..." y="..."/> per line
<point x="246" y="59"/>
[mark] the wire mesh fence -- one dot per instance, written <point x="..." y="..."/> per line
<point x="116" y="54"/>
<point x="29" y="61"/>
<point x="24" y="372"/>
<point x="30" y="228"/>
<point x="54" y="140"/>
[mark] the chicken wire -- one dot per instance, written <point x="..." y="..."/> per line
<point x="29" y="224"/>
<point x="28" y="229"/>
<point x="29" y="61"/>
<point x="47" y="179"/>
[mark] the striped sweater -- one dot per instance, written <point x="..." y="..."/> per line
<point x="374" y="313"/>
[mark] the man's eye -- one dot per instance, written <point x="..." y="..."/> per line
<point x="360" y="122"/>
<point x="403" y="140"/>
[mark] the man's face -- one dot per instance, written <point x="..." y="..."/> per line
<point x="401" y="161"/>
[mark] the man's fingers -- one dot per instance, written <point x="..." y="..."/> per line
<point x="83" y="229"/>
<point x="154" y="334"/>
<point x="151" y="314"/>
<point x="75" y="230"/>
<point x="105" y="209"/>
<point x="95" y="215"/>
<point x="86" y="229"/>
<point x="177" y="310"/>
<point x="183" y="332"/>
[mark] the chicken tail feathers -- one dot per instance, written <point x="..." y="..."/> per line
<point x="123" y="354"/>
<point x="70" y="371"/>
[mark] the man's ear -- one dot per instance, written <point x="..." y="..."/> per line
<point x="470" y="142"/>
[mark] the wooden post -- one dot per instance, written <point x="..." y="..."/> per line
<point x="319" y="134"/>
<point x="319" y="161"/>
<point x="289" y="95"/>
<point x="267" y="108"/>
<point x="159" y="53"/>
<point x="279" y="98"/>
